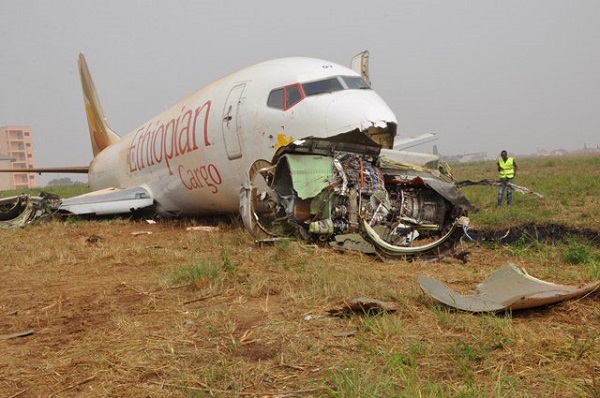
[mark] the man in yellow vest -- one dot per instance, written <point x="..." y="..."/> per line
<point x="507" y="167"/>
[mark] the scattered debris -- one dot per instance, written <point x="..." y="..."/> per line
<point x="149" y="221"/>
<point x="15" y="335"/>
<point x="363" y="305"/>
<point x="514" y="187"/>
<point x="272" y="241"/>
<point x="202" y="228"/>
<point x="93" y="239"/>
<point x="266" y="378"/>
<point x="138" y="233"/>
<point x="463" y="256"/>
<point x="352" y="242"/>
<point x="20" y="210"/>
<point x="309" y="318"/>
<point x="347" y="333"/>
<point x="508" y="288"/>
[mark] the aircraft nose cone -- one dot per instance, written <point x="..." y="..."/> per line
<point x="357" y="109"/>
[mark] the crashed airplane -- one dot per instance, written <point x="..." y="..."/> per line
<point x="308" y="141"/>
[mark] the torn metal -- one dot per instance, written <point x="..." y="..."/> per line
<point x="17" y="211"/>
<point x="508" y="288"/>
<point x="363" y="305"/>
<point x="514" y="187"/>
<point x="16" y="335"/>
<point x="350" y="193"/>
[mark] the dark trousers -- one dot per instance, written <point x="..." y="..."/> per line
<point x="501" y="188"/>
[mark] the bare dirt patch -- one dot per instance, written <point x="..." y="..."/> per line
<point x="534" y="232"/>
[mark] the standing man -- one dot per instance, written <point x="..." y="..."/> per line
<point x="507" y="167"/>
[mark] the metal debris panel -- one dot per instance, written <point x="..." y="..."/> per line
<point x="508" y="288"/>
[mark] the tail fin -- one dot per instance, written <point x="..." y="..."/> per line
<point x="100" y="134"/>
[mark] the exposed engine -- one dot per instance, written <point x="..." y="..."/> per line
<point x="341" y="191"/>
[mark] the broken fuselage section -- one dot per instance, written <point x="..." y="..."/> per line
<point x="20" y="210"/>
<point x="350" y="193"/>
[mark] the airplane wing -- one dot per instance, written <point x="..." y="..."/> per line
<point x="40" y="170"/>
<point x="108" y="201"/>
<point x="409" y="142"/>
<point x="22" y="209"/>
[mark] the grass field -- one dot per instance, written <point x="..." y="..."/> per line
<point x="62" y="191"/>
<point x="180" y="313"/>
<point x="570" y="185"/>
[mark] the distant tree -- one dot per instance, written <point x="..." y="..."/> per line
<point x="61" y="182"/>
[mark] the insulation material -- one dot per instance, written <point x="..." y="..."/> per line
<point x="310" y="174"/>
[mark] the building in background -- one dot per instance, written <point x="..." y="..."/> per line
<point x="16" y="144"/>
<point x="6" y="179"/>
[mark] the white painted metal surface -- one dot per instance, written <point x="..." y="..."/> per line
<point x="191" y="157"/>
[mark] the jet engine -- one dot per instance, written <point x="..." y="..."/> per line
<point x="342" y="191"/>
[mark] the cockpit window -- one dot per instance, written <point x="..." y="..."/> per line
<point x="355" y="83"/>
<point x="288" y="96"/>
<point x="293" y="95"/>
<point x="276" y="99"/>
<point x="322" y="86"/>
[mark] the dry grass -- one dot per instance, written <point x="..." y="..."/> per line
<point x="200" y="314"/>
<point x="116" y="318"/>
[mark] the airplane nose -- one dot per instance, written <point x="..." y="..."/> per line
<point x="357" y="109"/>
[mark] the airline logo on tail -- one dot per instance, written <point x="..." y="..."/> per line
<point x="100" y="134"/>
<point x="99" y="140"/>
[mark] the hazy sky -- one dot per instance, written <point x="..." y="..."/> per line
<point x="485" y="75"/>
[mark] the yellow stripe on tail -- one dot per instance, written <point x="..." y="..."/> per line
<point x="100" y="134"/>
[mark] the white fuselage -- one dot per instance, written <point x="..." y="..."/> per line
<point x="192" y="156"/>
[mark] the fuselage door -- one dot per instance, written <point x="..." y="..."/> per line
<point x="231" y="125"/>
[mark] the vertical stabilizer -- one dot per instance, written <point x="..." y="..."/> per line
<point x="100" y="134"/>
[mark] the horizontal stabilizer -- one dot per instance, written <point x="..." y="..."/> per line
<point x="40" y="170"/>
<point x="108" y="201"/>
